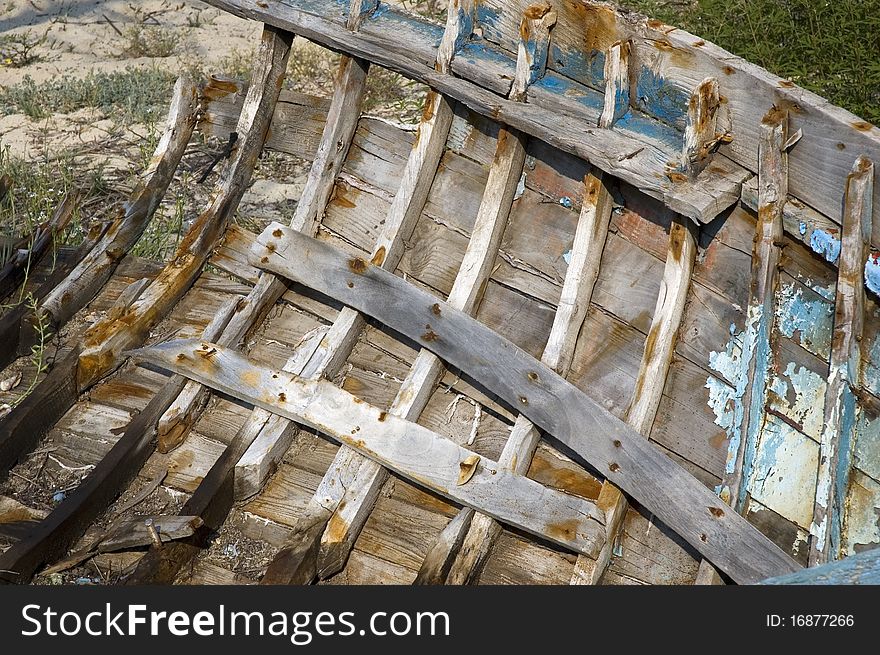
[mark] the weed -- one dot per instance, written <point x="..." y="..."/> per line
<point x="132" y="95"/>
<point x="827" y="47"/>
<point x="149" y="41"/>
<point x="18" y="50"/>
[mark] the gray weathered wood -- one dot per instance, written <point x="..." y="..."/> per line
<point x="651" y="381"/>
<point x="845" y="371"/>
<point x="630" y="154"/>
<point x="863" y="569"/>
<point x="407" y="448"/>
<point x="574" y="301"/>
<point x="609" y="445"/>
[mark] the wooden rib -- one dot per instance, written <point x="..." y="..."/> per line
<point x="264" y="438"/>
<point x="651" y="380"/>
<point x="617" y="99"/>
<point x="95" y="269"/>
<point x="752" y="387"/>
<point x="17" y="267"/>
<point x="460" y="16"/>
<point x="465" y="561"/>
<point x="838" y="433"/>
<point x="409" y="449"/>
<point x="67" y="522"/>
<point x="124" y="327"/>
<point x="339" y="131"/>
<point x="610" y="446"/>
<point x="330" y="353"/>
<point x="355" y="504"/>
<point x="700" y="138"/>
<point x="531" y="60"/>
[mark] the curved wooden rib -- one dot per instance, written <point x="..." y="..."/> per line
<point x="653" y="371"/>
<point x="15" y="270"/>
<point x="412" y="450"/>
<point x="844" y="375"/>
<point x="339" y="130"/>
<point x="69" y="520"/>
<point x="577" y="290"/>
<point x="96" y="268"/>
<point x="126" y="326"/>
<point x="613" y="448"/>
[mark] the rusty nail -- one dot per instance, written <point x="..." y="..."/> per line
<point x="154" y="533"/>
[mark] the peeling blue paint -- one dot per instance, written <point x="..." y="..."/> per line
<point x="810" y="319"/>
<point x="567" y="257"/>
<point x="641" y="124"/>
<point x="477" y="51"/>
<point x="586" y="68"/>
<point x="565" y="201"/>
<point x="872" y="273"/>
<point x="799" y="394"/>
<point x="659" y="98"/>
<point x="825" y="244"/>
<point x="844" y="465"/>
<point x="866" y="454"/>
<point x="871" y="371"/>
<point x="487" y="18"/>
<point x="554" y="83"/>
<point x="802" y="228"/>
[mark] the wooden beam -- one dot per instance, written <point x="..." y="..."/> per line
<point x="700" y="136"/>
<point x="95" y="269"/>
<point x="756" y="357"/>
<point x="460" y="16"/>
<point x="54" y="535"/>
<point x="411" y="450"/>
<point x="634" y="154"/>
<point x="617" y="83"/>
<point x="465" y="562"/>
<point x="844" y="374"/>
<point x="531" y="60"/>
<point x="651" y="380"/>
<point x="860" y="569"/>
<point x="104" y="342"/>
<point x="339" y="130"/>
<point x="331" y="351"/>
<point x="614" y="449"/>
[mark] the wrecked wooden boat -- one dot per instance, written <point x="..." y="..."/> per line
<point x="607" y="315"/>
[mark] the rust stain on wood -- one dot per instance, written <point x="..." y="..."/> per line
<point x="357" y="265"/>
<point x="435" y="309"/>
<point x="378" y="258"/>
<point x="571" y="481"/>
<point x="563" y="530"/>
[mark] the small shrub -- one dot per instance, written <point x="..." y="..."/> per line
<point x="18" y="50"/>
<point x="149" y="41"/>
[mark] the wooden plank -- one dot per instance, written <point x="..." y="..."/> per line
<point x="863" y="568"/>
<point x="610" y="446"/>
<point x="96" y="268"/>
<point x="407" y="448"/>
<point x="336" y="138"/>
<point x="653" y="371"/>
<point x="531" y="59"/>
<point x="330" y="353"/>
<point x="845" y="372"/>
<point x="17" y="268"/>
<point x="105" y="341"/>
<point x="773" y="191"/>
<point x="617" y="84"/>
<point x="645" y="155"/>
<point x="69" y="520"/>
<point x="577" y="291"/>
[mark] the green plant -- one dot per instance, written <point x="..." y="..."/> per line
<point x="18" y="50"/>
<point x="830" y="48"/>
<point x="149" y="41"/>
<point x="133" y="95"/>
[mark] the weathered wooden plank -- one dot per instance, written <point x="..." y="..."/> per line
<point x="617" y="84"/>
<point x="531" y="60"/>
<point x="69" y="520"/>
<point x="844" y="377"/>
<point x="577" y="291"/>
<point x="407" y="448"/>
<point x="644" y="155"/>
<point x="700" y="136"/>
<point x="330" y="353"/>
<point x="16" y="269"/>
<point x="96" y="268"/>
<point x="863" y="568"/>
<point x="613" y="448"/>
<point x="773" y="191"/>
<point x="653" y="371"/>
<point x="105" y="341"/>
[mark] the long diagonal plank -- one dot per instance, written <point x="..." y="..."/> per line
<point x="614" y="449"/>
<point x="126" y="326"/>
<point x="844" y="375"/>
<point x="458" y="564"/>
<point x="651" y="380"/>
<point x="413" y="451"/>
<point x="336" y="139"/>
<point x="67" y="522"/>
